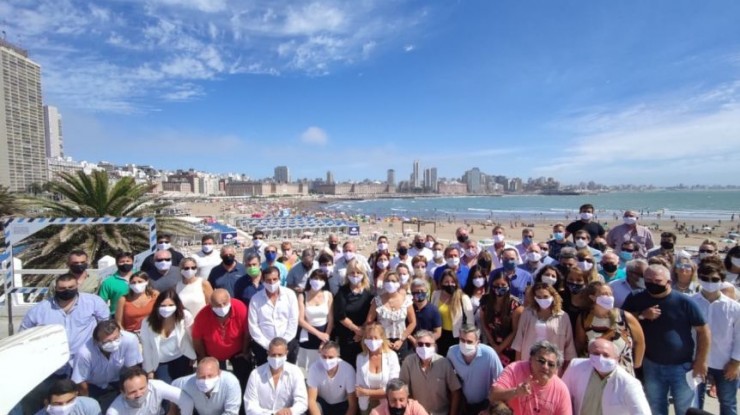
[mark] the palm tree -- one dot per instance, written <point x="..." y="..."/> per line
<point x="94" y="195"/>
<point x="9" y="203"/>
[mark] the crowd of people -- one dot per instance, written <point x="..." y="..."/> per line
<point x="581" y="322"/>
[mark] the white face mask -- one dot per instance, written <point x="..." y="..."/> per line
<point x="316" y="284"/>
<point x="587" y="216"/>
<point x="467" y="349"/>
<point x="425" y="353"/>
<point x="222" y="311"/>
<point x="602" y="364"/>
<point x="549" y="279"/>
<point x="272" y="288"/>
<point x="276" y="362"/>
<point x="630" y="220"/>
<point x="163" y="246"/>
<point x="330" y="363"/>
<point x="533" y="257"/>
<point x="257" y="243"/>
<point x="163" y="265"/>
<point x="391" y="287"/>
<point x="373" y="344"/>
<point x="479" y="282"/>
<point x="453" y="262"/>
<point x="349" y="256"/>
<point x="166" y="311"/>
<point x="206" y="385"/>
<point x="704" y="255"/>
<point x="437" y="254"/>
<point x="472" y="252"/>
<point x="327" y="269"/>
<point x="355" y="280"/>
<point x="382" y="246"/>
<point x="65" y="409"/>
<point x="605" y="301"/>
<point x="429" y="244"/>
<point x="710" y="287"/>
<point x="111" y="346"/>
<point x="585" y="265"/>
<point x="404" y="278"/>
<point x="730" y="277"/>
<point x="138" y="287"/>
<point x="735" y="261"/>
<point x="207" y="249"/>
<point x="544" y="303"/>
<point x="498" y="238"/>
<point x="188" y="273"/>
<point x="581" y="243"/>
<point x="383" y="264"/>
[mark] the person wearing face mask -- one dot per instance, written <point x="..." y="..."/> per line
<point x="604" y="321"/>
<point x="403" y="255"/>
<point x="532" y="259"/>
<point x="544" y="319"/>
<point x="78" y="313"/>
<point x="558" y="241"/>
<point x="419" y="269"/>
<point x="708" y="248"/>
<point x="470" y="253"/>
<point x="213" y="391"/>
<point x="290" y="256"/>
<point x="723" y="316"/>
<point x="404" y="277"/>
<point x="583" y="242"/>
<point x="598" y="385"/>
<point x="332" y="246"/>
<point x="194" y="292"/>
<point x="166" y="276"/>
<point x="315" y="318"/>
<point x="630" y="230"/>
<point x="611" y="269"/>
<point x="397" y="401"/>
<point x="500" y="313"/>
<point x="331" y="384"/>
<point x="167" y="345"/>
<point x="393" y="310"/>
<point x="452" y="259"/>
<point x="271" y="255"/>
<point x="455" y="308"/>
<point x="527" y="241"/>
<point x="669" y="320"/>
<point x="98" y="364"/>
<point x="532" y="386"/>
<point x="438" y="398"/>
<point x="139" y="395"/>
<point x="382" y="248"/>
<point x="137" y="304"/>
<point x="477" y="365"/>
<point x="585" y="222"/>
<point x="351" y="307"/>
<point x="586" y="263"/>
<point x="221" y="331"/>
<point x="475" y="289"/>
<point x="667" y="247"/>
<point x="298" y="275"/>
<point x="461" y="235"/>
<point x="382" y="268"/>
<point x="551" y="276"/>
<point x="519" y="279"/>
<point x="63" y="399"/>
<point x="420" y="247"/>
<point x="77" y="262"/>
<point x="208" y="257"/>
<point x="438" y="259"/>
<point x="349" y="254"/>
<point x="575" y="301"/>
<point x="498" y="234"/>
<point x="257" y="248"/>
<point x="731" y="284"/>
<point x="163" y="244"/>
<point x="250" y="284"/>
<point x="115" y="286"/>
<point x="376" y="366"/>
<point x="633" y="282"/>
<point x="427" y="317"/>
<point x="273" y="313"/>
<point x="227" y="274"/>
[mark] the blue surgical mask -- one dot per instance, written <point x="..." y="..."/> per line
<point x="270" y="256"/>
<point x="558" y="236"/>
<point x="501" y="291"/>
<point x="509" y="265"/>
<point x="626" y="256"/>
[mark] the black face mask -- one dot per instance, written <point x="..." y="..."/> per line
<point x="609" y="267"/>
<point x="228" y="260"/>
<point x="600" y="247"/>
<point x="396" y="411"/>
<point x="125" y="268"/>
<point x="484" y="264"/>
<point x="77" y="269"/>
<point x="575" y="288"/>
<point x="449" y="289"/>
<point x="654" y="288"/>
<point x="333" y="247"/>
<point x="462" y="239"/>
<point x="403" y="251"/>
<point x="65" y="295"/>
<point x="419" y="245"/>
<point x="666" y="245"/>
<point x="563" y="270"/>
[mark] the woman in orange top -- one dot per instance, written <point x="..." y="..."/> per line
<point x="137" y="304"/>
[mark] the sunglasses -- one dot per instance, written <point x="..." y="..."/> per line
<point x="545" y="362"/>
<point x="706" y="251"/>
<point x="422" y="344"/>
<point x="683" y="266"/>
<point x="190" y="268"/>
<point x="628" y="250"/>
<point x="708" y="279"/>
<point x="163" y="260"/>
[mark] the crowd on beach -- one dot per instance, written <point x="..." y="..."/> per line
<point x="587" y="322"/>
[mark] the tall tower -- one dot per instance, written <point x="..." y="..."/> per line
<point x="416" y="180"/>
<point x="282" y="174"/>
<point x="53" y="132"/>
<point x="391" y="178"/>
<point x="433" y="179"/>
<point x="329" y="177"/>
<point x="22" y="144"/>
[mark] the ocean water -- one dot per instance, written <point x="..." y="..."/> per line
<point x="686" y="205"/>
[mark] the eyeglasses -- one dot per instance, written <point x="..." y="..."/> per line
<point x="708" y="279"/>
<point x="422" y="344"/>
<point x="163" y="260"/>
<point x="683" y="266"/>
<point x="628" y="250"/>
<point x="547" y="363"/>
<point x="190" y="268"/>
<point x="706" y="251"/>
<point x="271" y="252"/>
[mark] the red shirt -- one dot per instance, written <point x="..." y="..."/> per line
<point x="222" y="340"/>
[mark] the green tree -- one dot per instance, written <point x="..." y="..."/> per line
<point x="9" y="203"/>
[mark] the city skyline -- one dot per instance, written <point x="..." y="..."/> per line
<point x="616" y="93"/>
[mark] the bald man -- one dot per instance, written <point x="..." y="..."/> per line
<point x="611" y="269"/>
<point x="598" y="385"/>
<point x="221" y="331"/>
<point x="213" y="391"/>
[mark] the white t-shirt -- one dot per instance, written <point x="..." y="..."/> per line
<point x="332" y="390"/>
<point x="207" y="262"/>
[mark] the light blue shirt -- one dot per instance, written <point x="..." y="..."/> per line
<point x="83" y="406"/>
<point x="298" y="274"/>
<point x="79" y="323"/>
<point x="282" y="268"/>
<point x="93" y="367"/>
<point x="478" y="376"/>
<point x="225" y="398"/>
<point x="620" y="275"/>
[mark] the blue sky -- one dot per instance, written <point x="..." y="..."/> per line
<point x="617" y="92"/>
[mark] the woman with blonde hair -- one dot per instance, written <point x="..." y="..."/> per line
<point x="683" y="276"/>
<point x="587" y="265"/>
<point x="376" y="365"/>
<point x="544" y="319"/>
<point x="604" y="321"/>
<point x="394" y="310"/>
<point x="455" y="308"/>
<point x="137" y="304"/>
<point x="351" y="307"/>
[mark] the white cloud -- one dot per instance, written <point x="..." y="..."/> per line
<point x="409" y="48"/>
<point x="315" y="136"/>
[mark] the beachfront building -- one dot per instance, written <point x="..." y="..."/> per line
<point x="255" y="188"/>
<point x="472" y="179"/>
<point x="365" y="189"/>
<point x="391" y="179"/>
<point x="282" y="174"/>
<point x="53" y="132"/>
<point x="452" y="188"/>
<point x="58" y="165"/>
<point x="22" y="144"/>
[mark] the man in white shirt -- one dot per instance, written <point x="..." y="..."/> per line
<point x="340" y="262"/>
<point x="420" y="248"/>
<point x="273" y="312"/>
<point x="723" y="317"/>
<point x="139" y="395"/>
<point x="632" y="283"/>
<point x="438" y="259"/>
<point x="276" y="387"/>
<point x="213" y="391"/>
<point x="498" y="234"/>
<point x="598" y="385"/>
<point x="403" y="257"/>
<point x="527" y="241"/>
<point x="207" y="258"/>
<point x="331" y="384"/>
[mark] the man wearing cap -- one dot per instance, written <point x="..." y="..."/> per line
<point x="630" y="231"/>
<point x="298" y="275"/>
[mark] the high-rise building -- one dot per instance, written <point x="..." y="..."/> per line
<point x="329" y="177"/>
<point x="472" y="180"/>
<point x="282" y="174"/>
<point x="433" y="179"/>
<point x="22" y="145"/>
<point x="53" y="132"/>
<point x="415" y="179"/>
<point x="391" y="178"/>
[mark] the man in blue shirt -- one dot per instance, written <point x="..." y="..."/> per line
<point x="250" y="284"/>
<point x="452" y="256"/>
<point x="228" y="272"/>
<point x="477" y="365"/>
<point x="427" y="317"/>
<point x="518" y="278"/>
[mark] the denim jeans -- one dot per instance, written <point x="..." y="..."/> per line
<point x="726" y="392"/>
<point x="659" y="379"/>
